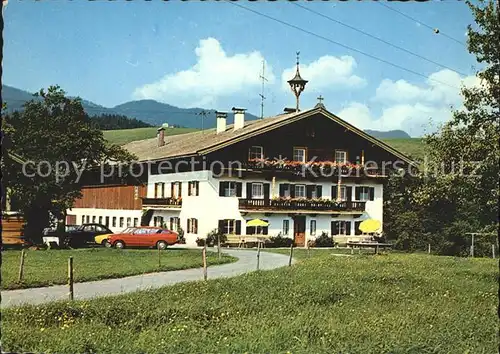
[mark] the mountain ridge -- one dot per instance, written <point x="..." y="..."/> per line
<point x="155" y="113"/>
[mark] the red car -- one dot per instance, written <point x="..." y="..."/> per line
<point x="144" y="236"/>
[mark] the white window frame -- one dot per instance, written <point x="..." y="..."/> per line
<point x="286" y="230"/>
<point x="193" y="188"/>
<point x="314" y="193"/>
<point x="231" y="189"/>
<point x="254" y="154"/>
<point x="342" y="227"/>
<point x="113" y="221"/>
<point x="175" y="190"/>
<point x="364" y="194"/>
<point x="257" y="195"/>
<point x="129" y="222"/>
<point x="303" y="186"/>
<point x="343" y="159"/>
<point x="83" y="219"/>
<point x="296" y="158"/>
<point x="229" y="227"/>
<point x="312" y="230"/>
<point x="122" y="221"/>
<point x="136" y="222"/>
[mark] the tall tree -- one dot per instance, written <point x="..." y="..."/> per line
<point x="56" y="136"/>
<point x="458" y="189"/>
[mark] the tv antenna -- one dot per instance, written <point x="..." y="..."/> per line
<point x="262" y="97"/>
<point x="203" y="115"/>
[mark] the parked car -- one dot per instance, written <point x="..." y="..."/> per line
<point x="103" y="239"/>
<point x="50" y="235"/>
<point x="85" y="235"/>
<point x="144" y="236"/>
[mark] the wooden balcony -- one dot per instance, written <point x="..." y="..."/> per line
<point x="320" y="168"/>
<point x="162" y="202"/>
<point x="306" y="205"/>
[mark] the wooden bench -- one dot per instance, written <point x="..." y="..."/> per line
<point x="243" y="240"/>
<point x="372" y="244"/>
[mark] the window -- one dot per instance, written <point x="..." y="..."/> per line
<point x="286" y="227"/>
<point x="175" y="223"/>
<point x="312" y="230"/>
<point x="192" y="226"/>
<point x="340" y="156"/>
<point x="341" y="228"/>
<point x="107" y="221"/>
<point x="300" y="191"/>
<point x="121" y="222"/>
<point x="256" y="152"/>
<point x="285" y="190"/>
<point x="136" y="221"/>
<point x="158" y="221"/>
<point x="364" y="194"/>
<point x="114" y="221"/>
<point x="343" y="192"/>
<point x="160" y="190"/>
<point x="100" y="220"/>
<point x="193" y="188"/>
<point x="83" y="219"/>
<point x="176" y="190"/>
<point x="257" y="191"/>
<point x="88" y="219"/>
<point x="230" y="189"/>
<point x="129" y="222"/>
<point x="229" y="227"/>
<point x="99" y="228"/>
<point x="299" y="154"/>
<point x="89" y="228"/>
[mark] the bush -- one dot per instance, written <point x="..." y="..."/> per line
<point x="200" y="242"/>
<point x="212" y="236"/>
<point x="279" y="241"/>
<point x="324" y="241"/>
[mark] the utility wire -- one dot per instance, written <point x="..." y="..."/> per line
<point x="420" y="22"/>
<point x="377" y="38"/>
<point x="340" y="44"/>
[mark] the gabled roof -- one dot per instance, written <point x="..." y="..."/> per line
<point x="203" y="142"/>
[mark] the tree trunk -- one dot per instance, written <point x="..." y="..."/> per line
<point x="37" y="219"/>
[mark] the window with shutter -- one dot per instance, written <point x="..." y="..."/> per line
<point x="363" y="193"/>
<point x="237" y="230"/>
<point x="238" y="189"/>
<point x="319" y="190"/>
<point x="372" y="193"/>
<point x="349" y="193"/>
<point x="334" y="192"/>
<point x="312" y="230"/>
<point x="189" y="226"/>
<point x="348" y="227"/>
<point x="257" y="190"/>
<point x="357" y="231"/>
<point x="335" y="228"/>
<point x="310" y="192"/>
<point x="249" y="190"/>
<point x="300" y="191"/>
<point x="267" y="188"/>
<point x="286" y="227"/>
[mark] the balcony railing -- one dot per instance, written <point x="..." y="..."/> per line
<point x="319" y="168"/>
<point x="301" y="204"/>
<point x="167" y="202"/>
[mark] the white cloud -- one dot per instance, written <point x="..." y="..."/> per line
<point x="214" y="75"/>
<point x="441" y="88"/>
<point x="415" y="119"/>
<point x="328" y="72"/>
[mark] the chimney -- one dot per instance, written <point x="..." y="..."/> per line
<point x="221" y="121"/>
<point x="161" y="136"/>
<point x="239" y="118"/>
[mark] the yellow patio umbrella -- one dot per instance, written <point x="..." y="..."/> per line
<point x="257" y="222"/>
<point x="370" y="225"/>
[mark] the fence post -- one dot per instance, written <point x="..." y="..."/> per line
<point x="218" y="246"/>
<point x="70" y="277"/>
<point x="308" y="250"/>
<point x="204" y="255"/>
<point x="21" y="267"/>
<point x="258" y="255"/>
<point x="291" y="255"/>
<point x="472" y="247"/>
<point x="159" y="257"/>
<point x="429" y="248"/>
<point x="493" y="250"/>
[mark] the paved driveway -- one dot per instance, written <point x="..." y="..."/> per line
<point x="247" y="262"/>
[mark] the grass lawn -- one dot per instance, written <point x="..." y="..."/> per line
<point x="123" y="136"/>
<point x="326" y="304"/>
<point x="50" y="267"/>
<point x="413" y="147"/>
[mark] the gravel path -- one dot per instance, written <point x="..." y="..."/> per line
<point x="247" y="262"/>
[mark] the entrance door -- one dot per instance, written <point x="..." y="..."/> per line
<point x="299" y="231"/>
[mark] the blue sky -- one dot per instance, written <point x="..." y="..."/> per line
<point x="210" y="54"/>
